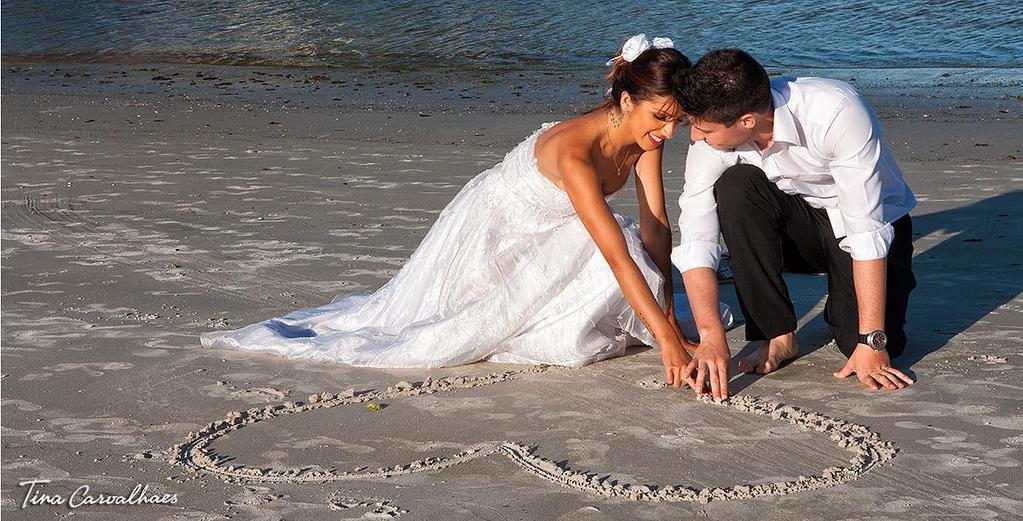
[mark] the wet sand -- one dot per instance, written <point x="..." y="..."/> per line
<point x="144" y="205"/>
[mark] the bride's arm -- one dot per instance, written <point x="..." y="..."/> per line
<point x="583" y="187"/>
<point x="653" y="218"/>
<point x="655" y="230"/>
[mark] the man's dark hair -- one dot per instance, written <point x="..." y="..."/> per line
<point x="723" y="85"/>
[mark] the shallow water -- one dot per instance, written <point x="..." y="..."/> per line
<point x="512" y="33"/>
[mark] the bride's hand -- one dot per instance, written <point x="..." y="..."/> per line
<point x="675" y="360"/>
<point x="686" y="344"/>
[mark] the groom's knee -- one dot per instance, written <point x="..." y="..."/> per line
<point x="736" y="185"/>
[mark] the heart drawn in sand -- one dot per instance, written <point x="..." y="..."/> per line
<point x="868" y="448"/>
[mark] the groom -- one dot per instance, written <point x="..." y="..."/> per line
<point x="793" y="173"/>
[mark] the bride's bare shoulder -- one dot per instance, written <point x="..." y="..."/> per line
<point x="573" y="137"/>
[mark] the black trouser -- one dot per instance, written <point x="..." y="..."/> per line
<point x="768" y="231"/>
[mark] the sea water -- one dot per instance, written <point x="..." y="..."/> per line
<point x="512" y="34"/>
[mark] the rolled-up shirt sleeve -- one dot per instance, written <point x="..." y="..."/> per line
<point x="698" y="221"/>
<point x="853" y="141"/>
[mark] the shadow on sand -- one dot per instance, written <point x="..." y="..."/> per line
<point x="973" y="269"/>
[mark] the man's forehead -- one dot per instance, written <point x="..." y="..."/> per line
<point x="703" y="124"/>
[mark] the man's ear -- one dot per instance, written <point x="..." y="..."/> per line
<point x="748" y="120"/>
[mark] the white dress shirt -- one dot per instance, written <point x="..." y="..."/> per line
<point x="827" y="149"/>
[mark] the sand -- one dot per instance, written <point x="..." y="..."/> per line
<point x="143" y="205"/>
<point x="197" y="455"/>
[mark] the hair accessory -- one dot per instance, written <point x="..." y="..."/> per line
<point x="637" y="44"/>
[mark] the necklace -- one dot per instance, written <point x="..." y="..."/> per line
<point x="618" y="166"/>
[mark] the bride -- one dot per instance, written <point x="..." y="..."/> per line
<point x="527" y="264"/>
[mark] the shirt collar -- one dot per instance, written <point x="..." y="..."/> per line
<point x="784" y="122"/>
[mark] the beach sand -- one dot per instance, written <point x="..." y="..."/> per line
<point x="143" y="205"/>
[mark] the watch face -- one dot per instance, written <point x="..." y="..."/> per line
<point x="878" y="340"/>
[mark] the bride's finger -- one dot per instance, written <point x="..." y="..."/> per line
<point x="675" y="380"/>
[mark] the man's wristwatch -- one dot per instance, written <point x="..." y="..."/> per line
<point x="875" y="340"/>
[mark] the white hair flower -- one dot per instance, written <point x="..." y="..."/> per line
<point x="637" y="44"/>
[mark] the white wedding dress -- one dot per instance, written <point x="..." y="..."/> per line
<point x="508" y="274"/>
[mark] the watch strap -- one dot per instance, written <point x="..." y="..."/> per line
<point x="866" y="340"/>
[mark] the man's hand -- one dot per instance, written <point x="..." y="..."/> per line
<point x="710" y="362"/>
<point x="874" y="370"/>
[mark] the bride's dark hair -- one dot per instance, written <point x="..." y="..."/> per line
<point x="655" y="72"/>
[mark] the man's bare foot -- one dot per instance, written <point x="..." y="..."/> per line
<point x="770" y="356"/>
